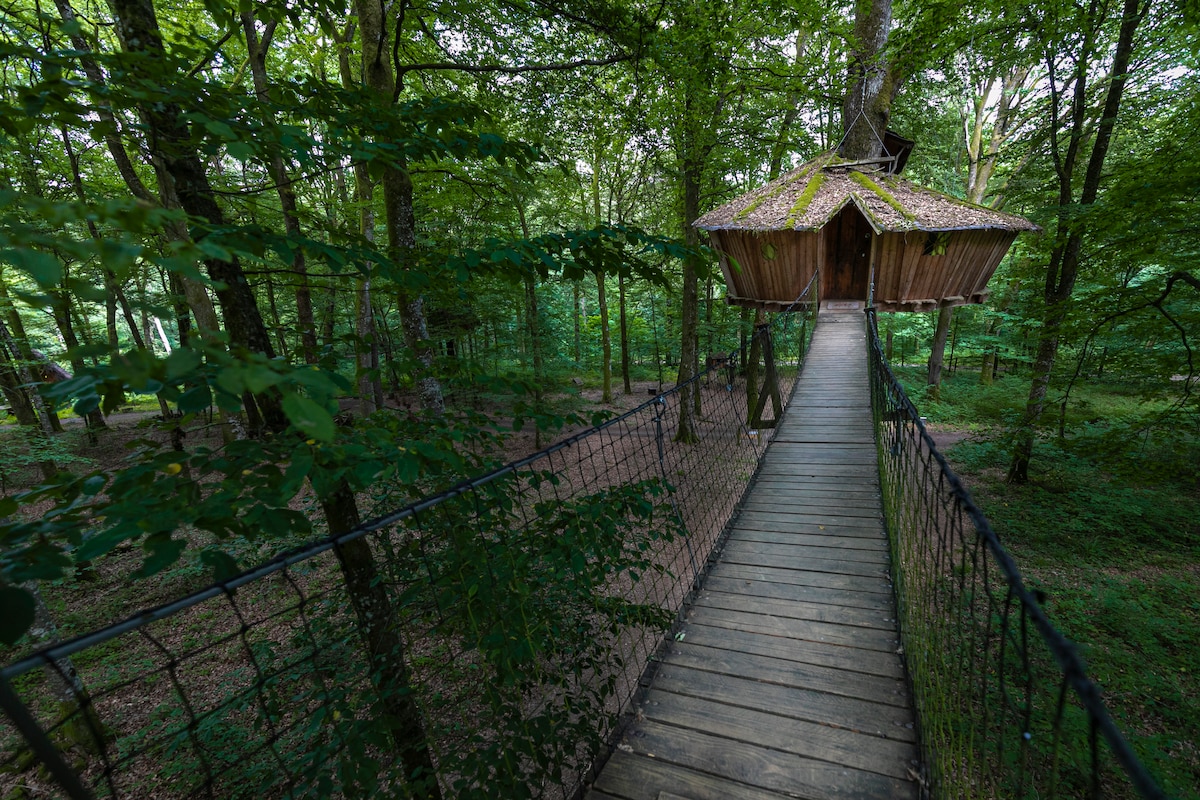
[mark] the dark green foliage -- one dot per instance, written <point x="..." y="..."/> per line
<point x="542" y="592"/>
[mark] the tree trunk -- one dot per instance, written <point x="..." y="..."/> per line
<point x="174" y="149"/>
<point x="937" y="351"/>
<point x="743" y="339"/>
<point x="12" y="331"/>
<point x="365" y="341"/>
<point x="576" y="313"/>
<point x="276" y="320"/>
<point x="601" y="296"/>
<point x="95" y="75"/>
<point x="389" y="666"/>
<point x="399" y="216"/>
<point x="1065" y="257"/>
<point x="760" y="317"/>
<point x="197" y="298"/>
<point x="605" y="341"/>
<point x="794" y="103"/>
<point x="987" y="371"/>
<point x="257" y="50"/>
<point x="628" y="387"/>
<point x="81" y="724"/>
<point x="690" y="306"/>
<point x="533" y="327"/>
<point x="60" y="306"/>
<point x="867" y="105"/>
<point x="364" y="320"/>
<point x="16" y="391"/>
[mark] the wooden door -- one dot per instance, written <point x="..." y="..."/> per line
<point x="847" y="267"/>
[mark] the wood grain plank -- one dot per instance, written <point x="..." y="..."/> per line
<point x="763" y="582"/>
<point x="819" y="539"/>
<point x="638" y="777"/>
<point x="849" y="748"/>
<point x="831" y="633"/>
<point x="801" y="519"/>
<point x="733" y="554"/>
<point x="784" y="672"/>
<point x="871" y="662"/>
<point x="885" y="722"/>
<point x="867" y="508"/>
<point x="765" y="768"/>
<point x="753" y="522"/>
<point x="876" y="556"/>
<point x="821" y="493"/>
<point x="814" y="470"/>
<point x="849" y="586"/>
<point x="816" y="485"/>
<point x="810" y="610"/>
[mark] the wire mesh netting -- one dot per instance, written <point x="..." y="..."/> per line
<point x="1002" y="698"/>
<point x="483" y="642"/>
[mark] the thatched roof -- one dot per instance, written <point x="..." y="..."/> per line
<point x="810" y="195"/>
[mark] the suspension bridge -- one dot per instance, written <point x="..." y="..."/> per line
<point x="616" y="616"/>
<point x="785" y="679"/>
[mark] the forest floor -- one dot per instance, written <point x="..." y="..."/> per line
<point x="1108" y="529"/>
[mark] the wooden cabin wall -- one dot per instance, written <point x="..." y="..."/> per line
<point x="775" y="280"/>
<point x="907" y="279"/>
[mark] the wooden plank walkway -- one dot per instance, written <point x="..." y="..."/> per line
<point x="785" y="680"/>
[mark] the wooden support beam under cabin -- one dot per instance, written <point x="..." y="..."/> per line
<point x="929" y="304"/>
<point x="770" y="388"/>
<point x="769" y="305"/>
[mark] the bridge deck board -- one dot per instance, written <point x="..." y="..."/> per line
<point x="785" y="679"/>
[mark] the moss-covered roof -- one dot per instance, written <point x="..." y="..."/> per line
<point x="810" y="195"/>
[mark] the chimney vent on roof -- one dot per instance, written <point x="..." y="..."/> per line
<point x="897" y="148"/>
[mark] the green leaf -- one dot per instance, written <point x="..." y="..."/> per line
<point x="105" y="541"/>
<point x="230" y="380"/>
<point x="195" y="399"/>
<point x="94" y="485"/>
<point x="297" y="471"/>
<point x="310" y="417"/>
<point x="42" y="267"/>
<point x="18" y="613"/>
<point x="241" y="151"/>
<point x="218" y="128"/>
<point x="182" y="363"/>
<point x="161" y="552"/>
<point x="223" y="565"/>
<point x="86" y="404"/>
<point x="259" y="378"/>
<point x="490" y="144"/>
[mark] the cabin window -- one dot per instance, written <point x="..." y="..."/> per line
<point x="936" y="243"/>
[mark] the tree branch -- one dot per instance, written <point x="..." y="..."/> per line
<point x="517" y="70"/>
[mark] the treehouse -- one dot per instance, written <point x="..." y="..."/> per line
<point x="871" y="236"/>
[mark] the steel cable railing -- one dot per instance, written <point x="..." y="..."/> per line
<point x="1003" y="700"/>
<point x="525" y="608"/>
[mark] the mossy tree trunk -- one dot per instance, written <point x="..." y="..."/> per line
<point x="866" y="107"/>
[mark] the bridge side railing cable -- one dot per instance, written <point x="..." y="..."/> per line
<point x="523" y="609"/>
<point x="1002" y="697"/>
